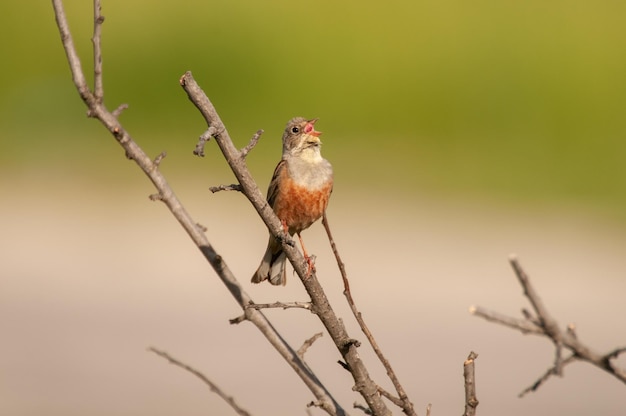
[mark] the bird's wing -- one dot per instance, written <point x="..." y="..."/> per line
<point x="272" y="191"/>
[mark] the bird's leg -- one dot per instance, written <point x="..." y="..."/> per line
<point x="309" y="261"/>
<point x="285" y="238"/>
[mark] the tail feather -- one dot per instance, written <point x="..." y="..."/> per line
<point x="273" y="266"/>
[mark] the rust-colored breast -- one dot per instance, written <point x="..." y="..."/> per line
<point x="298" y="206"/>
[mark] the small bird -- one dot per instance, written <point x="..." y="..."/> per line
<point x="298" y="194"/>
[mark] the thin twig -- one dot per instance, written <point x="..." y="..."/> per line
<point x="471" y="402"/>
<point x="237" y="320"/>
<point x="98" y="19"/>
<point x="364" y="409"/>
<point x="281" y="305"/>
<point x="407" y="405"/>
<point x="549" y="324"/>
<point x="616" y="352"/>
<point x="212" y="386"/>
<point x="204" y="137"/>
<point x="551" y="372"/>
<point x="390" y="397"/>
<point x="307" y="344"/>
<point x="233" y="187"/>
<point x="523" y="325"/>
<point x="159" y="158"/>
<point x="253" y="141"/>
<point x="118" y="111"/>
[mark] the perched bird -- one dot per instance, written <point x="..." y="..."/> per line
<point x="298" y="194"/>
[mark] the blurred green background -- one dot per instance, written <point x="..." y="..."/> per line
<point x="518" y="101"/>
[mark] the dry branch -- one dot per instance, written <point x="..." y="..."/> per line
<point x="281" y="305"/>
<point x="543" y="324"/>
<point x="308" y="343"/>
<point x="96" y="109"/>
<point x="232" y="187"/>
<point x="402" y="400"/>
<point x="471" y="402"/>
<point x="212" y="386"/>
<point x="320" y="305"/>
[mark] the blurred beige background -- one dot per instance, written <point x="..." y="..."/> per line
<point x="458" y="135"/>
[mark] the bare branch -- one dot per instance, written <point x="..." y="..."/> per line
<point x="363" y="383"/>
<point x="365" y="410"/>
<point x="523" y="325"/>
<point x="159" y="158"/>
<point x="165" y="193"/>
<point x="232" y="187"/>
<point x="471" y="402"/>
<point x="307" y="344"/>
<point x="615" y="353"/>
<point x="156" y="197"/>
<point x="543" y="324"/>
<point x="253" y="141"/>
<point x="551" y="372"/>
<point x="406" y="404"/>
<point x="70" y="52"/>
<point x="212" y="386"/>
<point x="204" y="137"/>
<point x="282" y="305"/>
<point x="237" y="320"/>
<point x="393" y="399"/>
<point x="118" y="111"/>
<point x="549" y="324"/>
<point x="98" y="19"/>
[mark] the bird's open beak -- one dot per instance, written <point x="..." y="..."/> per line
<point x="310" y="128"/>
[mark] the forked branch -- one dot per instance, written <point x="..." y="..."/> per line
<point x="540" y="322"/>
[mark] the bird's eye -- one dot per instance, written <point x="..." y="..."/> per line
<point x="295" y="129"/>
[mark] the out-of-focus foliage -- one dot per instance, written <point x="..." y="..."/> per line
<point x="523" y="99"/>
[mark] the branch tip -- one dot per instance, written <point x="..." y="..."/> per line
<point x="183" y="79"/>
<point x="471" y="401"/>
<point x="203" y="139"/>
<point x="212" y="386"/>
<point x="118" y="111"/>
<point x="159" y="158"/>
<point x="156" y="197"/>
<point x="470" y="358"/>
<point x="253" y="141"/>
<point x="308" y="343"/>
<point x="233" y="187"/>
<point x="237" y="320"/>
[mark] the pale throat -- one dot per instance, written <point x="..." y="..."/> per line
<point x="311" y="155"/>
<point x="310" y="168"/>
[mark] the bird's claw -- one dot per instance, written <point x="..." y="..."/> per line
<point x="310" y="265"/>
